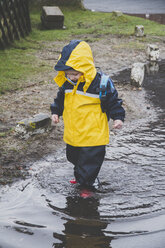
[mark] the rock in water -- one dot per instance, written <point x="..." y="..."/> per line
<point x="137" y="74"/>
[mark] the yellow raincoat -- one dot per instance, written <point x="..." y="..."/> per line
<point x="84" y="122"/>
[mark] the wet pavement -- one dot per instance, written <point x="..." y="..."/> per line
<point x="149" y="9"/>
<point x="127" y="6"/>
<point x="127" y="211"/>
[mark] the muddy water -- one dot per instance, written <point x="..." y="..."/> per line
<point x="127" y="211"/>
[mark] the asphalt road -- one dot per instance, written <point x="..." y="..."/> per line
<point x="127" y="6"/>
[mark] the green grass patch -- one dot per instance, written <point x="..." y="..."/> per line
<point x="17" y="66"/>
<point x="83" y="22"/>
<point x="19" y="63"/>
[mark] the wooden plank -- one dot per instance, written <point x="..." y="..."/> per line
<point x="18" y="4"/>
<point x="4" y="38"/>
<point x="15" y="32"/>
<point x="18" y="21"/>
<point x="25" y="7"/>
<point x="14" y="20"/>
<point x="9" y="36"/>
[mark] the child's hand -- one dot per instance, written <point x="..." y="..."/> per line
<point x="55" y="118"/>
<point x="117" y="124"/>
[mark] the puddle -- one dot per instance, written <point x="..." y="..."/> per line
<point x="154" y="82"/>
<point x="128" y="211"/>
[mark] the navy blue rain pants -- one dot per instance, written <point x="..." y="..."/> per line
<point x="87" y="162"/>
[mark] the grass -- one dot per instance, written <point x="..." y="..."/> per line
<point x="19" y="64"/>
<point x="80" y="22"/>
<point x="16" y="67"/>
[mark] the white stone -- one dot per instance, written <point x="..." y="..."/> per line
<point x="137" y="74"/>
<point x="139" y="30"/>
<point x="153" y="52"/>
<point x="117" y="13"/>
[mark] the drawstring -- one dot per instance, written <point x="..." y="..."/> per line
<point x="76" y="86"/>
<point x="70" y="81"/>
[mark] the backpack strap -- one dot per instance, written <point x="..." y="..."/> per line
<point x="103" y="90"/>
<point x="103" y="87"/>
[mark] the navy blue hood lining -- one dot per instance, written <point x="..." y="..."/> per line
<point x="65" y="54"/>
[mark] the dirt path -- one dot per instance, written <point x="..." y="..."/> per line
<point x="110" y="53"/>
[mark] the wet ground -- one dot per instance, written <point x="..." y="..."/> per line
<point x="148" y="9"/>
<point x="127" y="6"/>
<point x="127" y="211"/>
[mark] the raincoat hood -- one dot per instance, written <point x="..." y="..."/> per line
<point x="76" y="55"/>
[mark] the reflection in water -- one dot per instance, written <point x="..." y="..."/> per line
<point x="154" y="84"/>
<point x="86" y="229"/>
<point x="152" y="68"/>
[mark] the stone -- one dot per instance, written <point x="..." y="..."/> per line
<point x="37" y="124"/>
<point x="137" y="74"/>
<point x="147" y="16"/>
<point x="52" y="17"/>
<point x="117" y="13"/>
<point x="152" y="52"/>
<point x="139" y="30"/>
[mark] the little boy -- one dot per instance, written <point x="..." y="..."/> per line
<point x="86" y="130"/>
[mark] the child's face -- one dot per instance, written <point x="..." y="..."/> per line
<point x="73" y="75"/>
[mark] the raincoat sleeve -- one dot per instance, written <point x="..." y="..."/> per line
<point x="114" y="107"/>
<point x="58" y="106"/>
